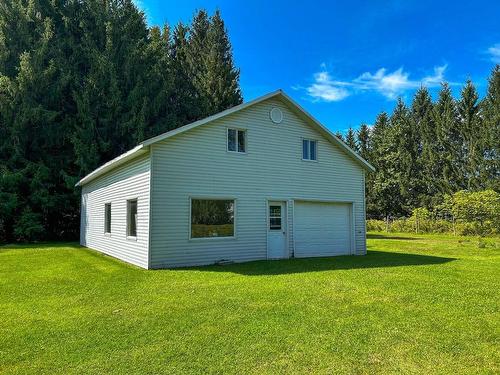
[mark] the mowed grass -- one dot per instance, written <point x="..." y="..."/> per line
<point x="414" y="304"/>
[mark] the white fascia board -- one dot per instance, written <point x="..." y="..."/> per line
<point x="119" y="160"/>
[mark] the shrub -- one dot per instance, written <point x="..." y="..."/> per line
<point x="375" y="225"/>
<point x="464" y="213"/>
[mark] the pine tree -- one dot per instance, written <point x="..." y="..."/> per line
<point x="80" y="83"/>
<point x="448" y="143"/>
<point x="197" y="58"/>
<point x="363" y="140"/>
<point x="186" y="103"/>
<point x="490" y="110"/>
<point x="222" y="81"/>
<point x="428" y="153"/>
<point x="469" y="126"/>
<point x="376" y="194"/>
<point x="408" y="158"/>
<point x="350" y="140"/>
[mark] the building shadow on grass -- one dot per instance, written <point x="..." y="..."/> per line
<point x="373" y="259"/>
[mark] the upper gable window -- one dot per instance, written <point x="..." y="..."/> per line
<point x="309" y="149"/>
<point x="236" y="140"/>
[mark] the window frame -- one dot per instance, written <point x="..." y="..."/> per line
<point x="128" y="235"/>
<point x="106" y="205"/>
<point x="245" y="131"/>
<point x="222" y="198"/>
<point x="309" y="140"/>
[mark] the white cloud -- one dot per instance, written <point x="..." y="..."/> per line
<point x="324" y="88"/>
<point x="494" y="52"/>
<point x="389" y="84"/>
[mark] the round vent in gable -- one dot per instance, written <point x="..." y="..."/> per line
<point x="276" y="115"/>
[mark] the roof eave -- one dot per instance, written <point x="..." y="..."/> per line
<point x="112" y="164"/>
<point x="144" y="146"/>
<point x="214" y="117"/>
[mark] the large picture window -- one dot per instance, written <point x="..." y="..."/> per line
<point x="212" y="218"/>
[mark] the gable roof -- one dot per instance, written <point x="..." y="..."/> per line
<point x="142" y="148"/>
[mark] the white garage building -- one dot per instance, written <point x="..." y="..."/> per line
<point x="262" y="180"/>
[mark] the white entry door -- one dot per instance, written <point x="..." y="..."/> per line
<point x="276" y="230"/>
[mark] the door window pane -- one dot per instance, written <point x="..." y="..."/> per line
<point x="275" y="217"/>
<point x="274" y="211"/>
<point x="275" y="223"/>
<point x="212" y="218"/>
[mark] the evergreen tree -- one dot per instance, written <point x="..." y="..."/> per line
<point x="350" y="140"/>
<point x="377" y="196"/>
<point x="407" y="158"/>
<point x="469" y="125"/>
<point x="197" y="58"/>
<point x="186" y="102"/>
<point x="363" y="140"/>
<point x="80" y="83"/>
<point x="428" y="153"/>
<point x="221" y="83"/>
<point x="490" y="110"/>
<point x="448" y="143"/>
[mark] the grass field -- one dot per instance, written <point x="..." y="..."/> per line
<point x="414" y="304"/>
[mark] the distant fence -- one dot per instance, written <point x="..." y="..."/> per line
<point x="438" y="225"/>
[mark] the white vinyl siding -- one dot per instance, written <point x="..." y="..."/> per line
<point x="130" y="181"/>
<point x="271" y="170"/>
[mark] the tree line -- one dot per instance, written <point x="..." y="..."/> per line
<point x="426" y="152"/>
<point x="83" y="81"/>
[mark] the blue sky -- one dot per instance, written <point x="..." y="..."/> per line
<point x="345" y="61"/>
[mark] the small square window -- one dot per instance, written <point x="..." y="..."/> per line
<point x="236" y="140"/>
<point x="132" y="218"/>
<point x="309" y="149"/>
<point x="107" y="218"/>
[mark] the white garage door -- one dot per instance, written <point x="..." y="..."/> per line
<point x="322" y="229"/>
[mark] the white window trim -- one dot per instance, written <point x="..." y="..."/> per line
<point x="246" y="140"/>
<point x="128" y="237"/>
<point x="223" y="198"/>
<point x="302" y="149"/>
<point x="107" y="234"/>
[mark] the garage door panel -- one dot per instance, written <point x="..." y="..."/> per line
<point x="322" y="229"/>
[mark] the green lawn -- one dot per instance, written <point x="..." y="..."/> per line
<point x="414" y="304"/>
